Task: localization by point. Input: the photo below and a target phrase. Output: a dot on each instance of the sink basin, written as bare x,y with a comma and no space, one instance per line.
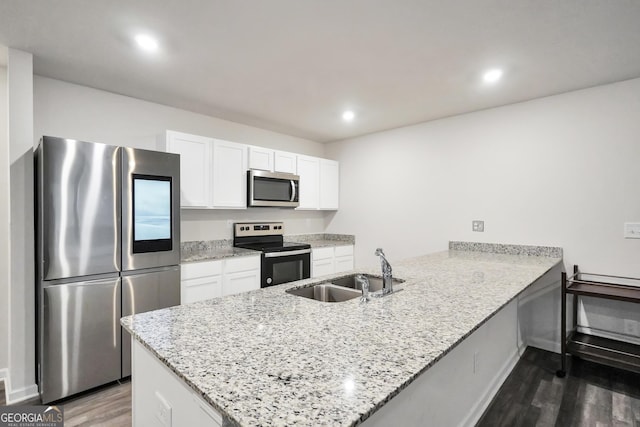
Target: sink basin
326,292
342,289
375,283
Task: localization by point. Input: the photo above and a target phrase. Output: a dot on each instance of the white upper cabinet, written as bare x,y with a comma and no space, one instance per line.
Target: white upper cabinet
309,172
319,183
195,167
329,184
261,158
229,175
213,172
285,162
272,160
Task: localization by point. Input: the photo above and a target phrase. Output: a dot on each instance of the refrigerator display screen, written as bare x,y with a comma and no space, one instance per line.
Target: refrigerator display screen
151,213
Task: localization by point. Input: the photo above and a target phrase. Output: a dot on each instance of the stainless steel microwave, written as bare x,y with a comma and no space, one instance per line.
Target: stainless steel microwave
275,189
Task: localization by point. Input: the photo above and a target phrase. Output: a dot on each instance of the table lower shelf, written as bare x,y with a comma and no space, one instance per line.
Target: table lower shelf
607,351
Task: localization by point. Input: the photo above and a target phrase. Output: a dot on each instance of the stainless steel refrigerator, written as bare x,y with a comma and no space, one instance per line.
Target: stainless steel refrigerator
108,245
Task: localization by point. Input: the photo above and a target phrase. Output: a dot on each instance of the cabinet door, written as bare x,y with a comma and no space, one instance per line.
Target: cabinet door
322,267
195,158
329,184
260,158
285,162
308,170
244,281
229,175
343,263
201,289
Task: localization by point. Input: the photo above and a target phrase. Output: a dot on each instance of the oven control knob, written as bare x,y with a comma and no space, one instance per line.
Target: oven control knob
269,280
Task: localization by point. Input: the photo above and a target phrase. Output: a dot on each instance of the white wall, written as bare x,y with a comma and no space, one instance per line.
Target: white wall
559,171
21,384
78,112
4,225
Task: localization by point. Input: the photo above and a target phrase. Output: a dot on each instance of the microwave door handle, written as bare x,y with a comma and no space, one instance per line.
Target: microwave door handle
293,191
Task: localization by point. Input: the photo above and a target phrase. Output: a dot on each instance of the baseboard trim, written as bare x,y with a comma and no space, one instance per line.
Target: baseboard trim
4,373
489,393
16,396
544,344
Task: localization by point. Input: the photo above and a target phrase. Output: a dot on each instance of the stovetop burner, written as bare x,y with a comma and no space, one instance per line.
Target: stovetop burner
264,236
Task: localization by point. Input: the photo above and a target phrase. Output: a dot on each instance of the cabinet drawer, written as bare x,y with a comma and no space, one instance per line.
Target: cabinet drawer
194,270
344,250
322,253
245,263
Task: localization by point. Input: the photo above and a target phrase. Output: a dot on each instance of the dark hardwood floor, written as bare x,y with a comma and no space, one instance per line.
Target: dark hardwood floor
590,395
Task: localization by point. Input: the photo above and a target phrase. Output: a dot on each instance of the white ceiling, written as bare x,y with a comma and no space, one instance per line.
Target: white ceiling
293,66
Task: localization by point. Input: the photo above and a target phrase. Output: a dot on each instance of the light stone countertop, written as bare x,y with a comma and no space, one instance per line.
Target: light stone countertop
270,358
210,250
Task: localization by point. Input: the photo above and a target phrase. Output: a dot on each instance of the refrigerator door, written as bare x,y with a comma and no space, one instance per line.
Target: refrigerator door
81,337
150,209
151,290
79,208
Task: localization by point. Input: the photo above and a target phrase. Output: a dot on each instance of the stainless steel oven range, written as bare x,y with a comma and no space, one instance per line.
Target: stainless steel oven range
281,261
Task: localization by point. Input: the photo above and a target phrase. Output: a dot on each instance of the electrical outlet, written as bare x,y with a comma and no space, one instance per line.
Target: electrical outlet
632,230
163,410
631,327
477,225
476,362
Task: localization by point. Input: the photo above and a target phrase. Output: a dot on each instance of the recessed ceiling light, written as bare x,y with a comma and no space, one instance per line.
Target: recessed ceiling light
492,76
146,42
348,116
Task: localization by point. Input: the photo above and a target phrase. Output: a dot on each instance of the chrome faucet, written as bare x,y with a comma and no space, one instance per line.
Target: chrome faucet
387,277
363,281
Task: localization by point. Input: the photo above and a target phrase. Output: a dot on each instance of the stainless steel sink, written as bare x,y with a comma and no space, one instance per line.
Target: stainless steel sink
342,289
375,283
326,292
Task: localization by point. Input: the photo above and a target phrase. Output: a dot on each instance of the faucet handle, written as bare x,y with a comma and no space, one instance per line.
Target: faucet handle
364,285
379,252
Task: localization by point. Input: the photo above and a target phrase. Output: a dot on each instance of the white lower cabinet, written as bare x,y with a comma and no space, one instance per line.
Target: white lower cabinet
160,398
212,279
200,281
241,275
343,258
330,260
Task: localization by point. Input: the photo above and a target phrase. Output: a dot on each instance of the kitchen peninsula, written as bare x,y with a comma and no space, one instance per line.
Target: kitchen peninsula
267,357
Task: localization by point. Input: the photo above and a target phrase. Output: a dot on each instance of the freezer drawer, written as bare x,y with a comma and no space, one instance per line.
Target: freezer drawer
80,338
143,292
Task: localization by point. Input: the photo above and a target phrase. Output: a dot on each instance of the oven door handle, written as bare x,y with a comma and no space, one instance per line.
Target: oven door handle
293,191
286,253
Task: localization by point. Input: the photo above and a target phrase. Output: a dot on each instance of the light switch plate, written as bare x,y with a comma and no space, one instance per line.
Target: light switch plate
632,230
477,225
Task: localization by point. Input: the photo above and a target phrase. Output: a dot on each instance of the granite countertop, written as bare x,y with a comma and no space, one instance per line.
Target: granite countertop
322,240
270,358
210,250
